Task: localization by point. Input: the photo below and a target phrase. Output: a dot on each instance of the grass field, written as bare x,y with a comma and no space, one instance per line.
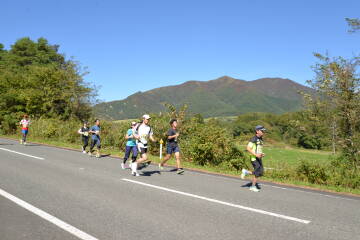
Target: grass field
277,158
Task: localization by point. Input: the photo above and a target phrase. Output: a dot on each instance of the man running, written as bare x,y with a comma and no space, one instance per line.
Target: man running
172,147
84,131
144,132
255,149
95,131
130,145
24,123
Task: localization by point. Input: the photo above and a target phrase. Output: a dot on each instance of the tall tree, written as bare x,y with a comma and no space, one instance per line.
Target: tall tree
36,79
337,83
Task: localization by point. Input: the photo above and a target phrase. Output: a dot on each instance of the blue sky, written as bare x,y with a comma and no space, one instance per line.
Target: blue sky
131,46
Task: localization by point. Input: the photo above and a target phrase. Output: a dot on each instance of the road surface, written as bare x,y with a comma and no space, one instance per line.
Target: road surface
52,193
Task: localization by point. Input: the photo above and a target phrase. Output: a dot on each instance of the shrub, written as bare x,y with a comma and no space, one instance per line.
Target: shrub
313,173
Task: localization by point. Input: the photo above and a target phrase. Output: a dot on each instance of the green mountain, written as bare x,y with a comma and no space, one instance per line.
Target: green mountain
224,96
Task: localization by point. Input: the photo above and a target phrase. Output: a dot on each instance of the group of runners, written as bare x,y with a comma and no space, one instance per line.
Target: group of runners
137,143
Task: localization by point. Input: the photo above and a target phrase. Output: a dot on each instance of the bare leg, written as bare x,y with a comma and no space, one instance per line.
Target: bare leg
166,158
178,162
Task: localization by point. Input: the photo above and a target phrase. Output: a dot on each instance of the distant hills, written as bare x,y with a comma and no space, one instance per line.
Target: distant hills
224,96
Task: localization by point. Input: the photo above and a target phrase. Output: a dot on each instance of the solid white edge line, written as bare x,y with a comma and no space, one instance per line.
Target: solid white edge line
61,224
24,154
221,202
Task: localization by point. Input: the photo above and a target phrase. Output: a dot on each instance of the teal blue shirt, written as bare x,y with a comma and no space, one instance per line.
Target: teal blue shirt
131,142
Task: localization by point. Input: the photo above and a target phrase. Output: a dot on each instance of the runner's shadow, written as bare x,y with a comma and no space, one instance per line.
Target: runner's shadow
149,173
6,144
105,155
250,184
247,184
32,145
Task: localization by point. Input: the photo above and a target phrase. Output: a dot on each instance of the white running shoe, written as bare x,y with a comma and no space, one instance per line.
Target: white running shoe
244,172
25,143
134,169
21,141
122,165
84,152
254,189
130,165
161,167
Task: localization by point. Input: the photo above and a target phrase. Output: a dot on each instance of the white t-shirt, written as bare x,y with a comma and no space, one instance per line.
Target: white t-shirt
25,123
144,131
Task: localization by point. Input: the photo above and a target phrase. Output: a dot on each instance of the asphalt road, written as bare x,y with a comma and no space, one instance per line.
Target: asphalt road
82,197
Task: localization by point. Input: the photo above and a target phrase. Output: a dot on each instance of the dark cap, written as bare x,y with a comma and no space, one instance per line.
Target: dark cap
260,128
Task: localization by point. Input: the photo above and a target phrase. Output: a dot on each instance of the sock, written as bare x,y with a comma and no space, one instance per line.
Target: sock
134,167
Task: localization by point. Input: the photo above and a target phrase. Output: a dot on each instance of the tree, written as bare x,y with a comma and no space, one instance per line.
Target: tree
337,83
354,24
36,79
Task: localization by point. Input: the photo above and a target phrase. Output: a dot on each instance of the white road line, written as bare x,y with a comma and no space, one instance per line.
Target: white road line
63,225
27,155
221,202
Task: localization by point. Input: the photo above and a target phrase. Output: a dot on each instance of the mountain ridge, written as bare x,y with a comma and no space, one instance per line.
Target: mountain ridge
224,96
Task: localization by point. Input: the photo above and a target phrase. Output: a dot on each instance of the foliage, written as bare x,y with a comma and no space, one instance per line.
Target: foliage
313,173
37,80
337,83
354,24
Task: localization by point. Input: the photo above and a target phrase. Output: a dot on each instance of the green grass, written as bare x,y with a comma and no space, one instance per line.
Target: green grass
278,157
275,158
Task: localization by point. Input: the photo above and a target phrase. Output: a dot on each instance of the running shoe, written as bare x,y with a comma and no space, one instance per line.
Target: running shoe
25,143
135,174
21,141
89,153
130,165
84,152
161,167
146,164
122,165
244,172
180,171
254,189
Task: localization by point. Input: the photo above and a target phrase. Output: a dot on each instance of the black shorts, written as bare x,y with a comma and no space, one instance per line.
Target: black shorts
170,149
258,167
143,150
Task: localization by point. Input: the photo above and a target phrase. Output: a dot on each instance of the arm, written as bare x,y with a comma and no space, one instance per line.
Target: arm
173,136
80,132
249,149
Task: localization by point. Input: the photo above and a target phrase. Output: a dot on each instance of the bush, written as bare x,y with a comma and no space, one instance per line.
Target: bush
309,142
313,173
209,144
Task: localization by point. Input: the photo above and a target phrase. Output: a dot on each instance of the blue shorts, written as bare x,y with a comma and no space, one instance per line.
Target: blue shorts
172,149
24,132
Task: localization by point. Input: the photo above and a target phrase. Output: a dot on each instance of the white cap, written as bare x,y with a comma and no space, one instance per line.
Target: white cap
146,116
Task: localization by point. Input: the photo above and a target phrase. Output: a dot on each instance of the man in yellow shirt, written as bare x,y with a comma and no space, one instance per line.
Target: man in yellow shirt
255,149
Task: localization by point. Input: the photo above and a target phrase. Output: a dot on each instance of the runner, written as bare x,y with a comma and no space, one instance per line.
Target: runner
24,123
255,149
143,132
172,147
130,145
84,131
95,131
